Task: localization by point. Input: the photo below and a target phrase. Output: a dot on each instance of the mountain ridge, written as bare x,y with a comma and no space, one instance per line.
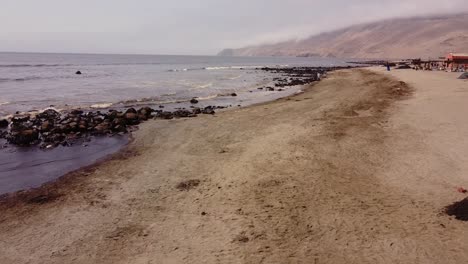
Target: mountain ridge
410,37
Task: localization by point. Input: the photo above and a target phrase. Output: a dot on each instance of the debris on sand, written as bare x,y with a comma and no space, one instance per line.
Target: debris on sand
242,238
188,185
459,210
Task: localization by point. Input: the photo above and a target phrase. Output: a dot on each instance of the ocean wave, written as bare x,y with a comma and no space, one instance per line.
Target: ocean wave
177,70
68,65
31,78
231,67
32,65
234,78
204,98
101,105
168,94
214,68
4,103
201,86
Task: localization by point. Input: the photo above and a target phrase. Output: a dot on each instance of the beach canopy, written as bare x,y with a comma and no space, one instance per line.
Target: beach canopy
464,76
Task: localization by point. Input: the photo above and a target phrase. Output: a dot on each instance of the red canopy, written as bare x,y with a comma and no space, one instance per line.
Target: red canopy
457,56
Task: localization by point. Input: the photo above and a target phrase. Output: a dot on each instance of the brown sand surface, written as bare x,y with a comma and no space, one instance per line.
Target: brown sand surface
357,169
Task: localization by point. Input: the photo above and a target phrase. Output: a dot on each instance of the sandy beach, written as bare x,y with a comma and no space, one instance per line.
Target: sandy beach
357,169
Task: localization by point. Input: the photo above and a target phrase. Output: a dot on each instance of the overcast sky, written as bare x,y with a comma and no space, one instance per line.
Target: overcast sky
186,26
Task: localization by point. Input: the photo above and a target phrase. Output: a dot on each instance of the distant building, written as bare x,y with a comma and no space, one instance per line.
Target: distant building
456,61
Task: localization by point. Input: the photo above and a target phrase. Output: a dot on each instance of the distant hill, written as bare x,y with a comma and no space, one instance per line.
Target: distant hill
396,38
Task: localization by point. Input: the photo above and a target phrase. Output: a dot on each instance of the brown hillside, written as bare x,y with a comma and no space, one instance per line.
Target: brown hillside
397,38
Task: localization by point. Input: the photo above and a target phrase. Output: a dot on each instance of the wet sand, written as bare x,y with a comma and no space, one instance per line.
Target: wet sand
346,172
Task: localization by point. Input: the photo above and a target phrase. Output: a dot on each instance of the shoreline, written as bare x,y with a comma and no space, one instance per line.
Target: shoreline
356,163
294,78
47,189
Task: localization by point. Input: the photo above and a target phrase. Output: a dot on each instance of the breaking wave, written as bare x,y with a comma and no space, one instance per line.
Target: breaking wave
32,65
214,68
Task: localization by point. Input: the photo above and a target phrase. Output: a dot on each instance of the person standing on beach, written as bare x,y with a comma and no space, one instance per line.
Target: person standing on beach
388,66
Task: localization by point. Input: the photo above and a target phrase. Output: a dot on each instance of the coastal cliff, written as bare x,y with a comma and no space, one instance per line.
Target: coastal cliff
396,38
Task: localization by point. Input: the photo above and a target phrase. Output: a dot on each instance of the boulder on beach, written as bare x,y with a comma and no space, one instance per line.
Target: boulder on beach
76,112
165,115
131,110
183,113
146,111
49,114
208,110
3,123
194,101
196,111
23,137
20,118
78,73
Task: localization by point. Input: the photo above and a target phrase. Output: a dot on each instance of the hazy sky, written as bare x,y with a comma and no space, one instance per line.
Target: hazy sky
186,26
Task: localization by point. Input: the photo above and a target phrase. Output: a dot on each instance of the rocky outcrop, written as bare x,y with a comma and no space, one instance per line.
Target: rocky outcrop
51,128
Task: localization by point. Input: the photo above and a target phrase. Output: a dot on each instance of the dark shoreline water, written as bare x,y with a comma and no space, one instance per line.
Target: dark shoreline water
26,167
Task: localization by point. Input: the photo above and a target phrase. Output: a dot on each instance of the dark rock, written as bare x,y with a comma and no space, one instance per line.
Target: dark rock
55,138
73,126
3,123
101,129
131,116
183,113
208,110
46,126
131,110
119,121
194,101
49,114
20,118
459,210
78,72
24,137
196,111
76,112
120,129
146,111
233,94
165,115
142,117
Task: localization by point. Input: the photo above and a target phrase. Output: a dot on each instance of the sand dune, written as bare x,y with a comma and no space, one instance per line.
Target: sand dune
398,38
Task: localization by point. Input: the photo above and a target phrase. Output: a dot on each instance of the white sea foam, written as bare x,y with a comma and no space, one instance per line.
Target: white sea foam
201,86
4,103
207,97
234,78
102,105
228,68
